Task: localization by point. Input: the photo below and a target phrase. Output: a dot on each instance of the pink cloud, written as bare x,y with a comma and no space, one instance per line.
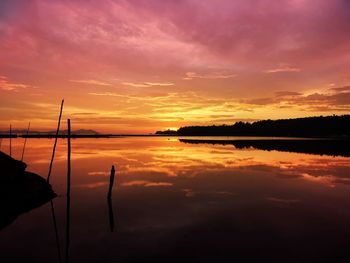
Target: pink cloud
185,34
283,68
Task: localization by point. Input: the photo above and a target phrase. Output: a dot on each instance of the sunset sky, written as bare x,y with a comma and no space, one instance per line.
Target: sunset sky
139,66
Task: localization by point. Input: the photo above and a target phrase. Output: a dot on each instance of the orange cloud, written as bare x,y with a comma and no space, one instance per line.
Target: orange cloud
215,75
148,84
92,82
5,84
283,68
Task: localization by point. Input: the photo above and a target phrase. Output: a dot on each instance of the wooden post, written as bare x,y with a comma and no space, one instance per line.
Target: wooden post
10,140
54,146
25,142
111,181
68,192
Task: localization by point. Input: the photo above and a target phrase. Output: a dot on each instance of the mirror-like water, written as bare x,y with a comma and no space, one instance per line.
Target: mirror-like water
181,202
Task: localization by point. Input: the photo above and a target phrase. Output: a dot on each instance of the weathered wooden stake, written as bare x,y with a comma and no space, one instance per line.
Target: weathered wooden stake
54,146
111,181
25,142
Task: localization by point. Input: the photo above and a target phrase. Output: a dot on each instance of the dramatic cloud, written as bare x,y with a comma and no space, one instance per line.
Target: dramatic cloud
336,100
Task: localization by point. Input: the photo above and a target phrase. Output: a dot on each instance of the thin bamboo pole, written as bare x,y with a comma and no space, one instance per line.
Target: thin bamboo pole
54,146
25,142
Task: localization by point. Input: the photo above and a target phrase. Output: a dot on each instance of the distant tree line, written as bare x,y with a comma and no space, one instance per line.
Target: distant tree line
167,132
327,126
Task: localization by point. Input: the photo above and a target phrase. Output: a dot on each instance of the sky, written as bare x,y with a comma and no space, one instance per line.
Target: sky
138,66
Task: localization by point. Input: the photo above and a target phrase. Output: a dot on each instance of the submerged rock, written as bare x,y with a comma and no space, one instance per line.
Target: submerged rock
20,191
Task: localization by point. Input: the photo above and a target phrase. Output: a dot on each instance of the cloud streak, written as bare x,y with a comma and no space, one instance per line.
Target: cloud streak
92,82
283,69
6,85
148,84
215,75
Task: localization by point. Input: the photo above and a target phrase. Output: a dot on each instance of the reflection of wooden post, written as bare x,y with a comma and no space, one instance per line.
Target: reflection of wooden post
68,158
10,140
111,215
54,146
68,193
0,142
56,233
111,181
25,141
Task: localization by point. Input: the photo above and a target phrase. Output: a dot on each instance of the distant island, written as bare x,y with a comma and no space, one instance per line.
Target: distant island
322,126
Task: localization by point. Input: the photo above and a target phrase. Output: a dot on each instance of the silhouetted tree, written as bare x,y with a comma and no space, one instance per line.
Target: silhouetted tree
301,127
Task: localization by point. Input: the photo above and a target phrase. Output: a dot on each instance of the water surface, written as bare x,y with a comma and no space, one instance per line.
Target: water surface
183,202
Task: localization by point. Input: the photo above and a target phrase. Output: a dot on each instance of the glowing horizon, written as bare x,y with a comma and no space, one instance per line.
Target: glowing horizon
141,66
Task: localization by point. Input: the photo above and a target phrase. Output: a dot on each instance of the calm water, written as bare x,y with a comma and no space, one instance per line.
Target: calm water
181,202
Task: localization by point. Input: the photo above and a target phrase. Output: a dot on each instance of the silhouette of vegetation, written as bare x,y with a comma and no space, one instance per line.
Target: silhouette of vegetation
329,126
167,132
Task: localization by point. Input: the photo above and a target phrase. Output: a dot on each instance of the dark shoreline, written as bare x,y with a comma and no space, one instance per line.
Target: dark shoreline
263,137
331,146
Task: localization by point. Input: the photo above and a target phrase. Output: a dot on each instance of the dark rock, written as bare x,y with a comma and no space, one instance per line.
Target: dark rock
20,191
10,168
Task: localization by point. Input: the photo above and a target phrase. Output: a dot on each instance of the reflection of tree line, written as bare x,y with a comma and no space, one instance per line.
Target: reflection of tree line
316,146
301,127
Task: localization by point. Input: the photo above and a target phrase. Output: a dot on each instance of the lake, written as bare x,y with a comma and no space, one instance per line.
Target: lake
177,201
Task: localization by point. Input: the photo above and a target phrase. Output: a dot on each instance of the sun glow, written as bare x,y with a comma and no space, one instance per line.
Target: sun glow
172,128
